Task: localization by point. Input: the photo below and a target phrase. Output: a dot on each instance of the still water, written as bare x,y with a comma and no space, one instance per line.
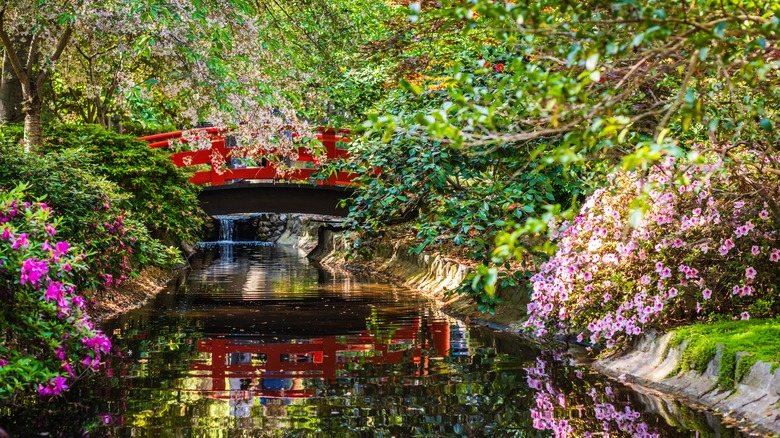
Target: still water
255,341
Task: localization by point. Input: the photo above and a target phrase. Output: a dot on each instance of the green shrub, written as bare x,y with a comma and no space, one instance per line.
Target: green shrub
159,194
96,213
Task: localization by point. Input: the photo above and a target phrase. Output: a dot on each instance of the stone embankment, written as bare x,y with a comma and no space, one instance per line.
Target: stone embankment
652,361
434,276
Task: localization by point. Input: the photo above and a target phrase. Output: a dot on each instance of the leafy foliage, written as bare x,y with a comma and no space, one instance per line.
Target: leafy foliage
98,215
160,195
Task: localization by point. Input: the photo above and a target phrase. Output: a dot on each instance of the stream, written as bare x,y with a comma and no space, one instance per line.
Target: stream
256,341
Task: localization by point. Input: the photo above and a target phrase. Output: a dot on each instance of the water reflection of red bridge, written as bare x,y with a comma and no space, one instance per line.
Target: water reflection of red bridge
323,358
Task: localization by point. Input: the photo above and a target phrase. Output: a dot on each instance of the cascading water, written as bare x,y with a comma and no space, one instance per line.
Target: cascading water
228,238
225,228
226,224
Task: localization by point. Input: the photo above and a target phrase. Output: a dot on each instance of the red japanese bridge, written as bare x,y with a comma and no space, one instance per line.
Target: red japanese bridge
261,189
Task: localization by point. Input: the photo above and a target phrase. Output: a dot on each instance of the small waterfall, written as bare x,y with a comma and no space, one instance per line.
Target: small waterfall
229,234
225,228
226,224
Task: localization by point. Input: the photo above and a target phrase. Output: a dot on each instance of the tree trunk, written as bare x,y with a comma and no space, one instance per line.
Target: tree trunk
10,92
33,123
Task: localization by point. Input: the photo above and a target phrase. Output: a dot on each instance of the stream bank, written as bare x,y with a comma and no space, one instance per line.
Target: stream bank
753,403
133,293
653,360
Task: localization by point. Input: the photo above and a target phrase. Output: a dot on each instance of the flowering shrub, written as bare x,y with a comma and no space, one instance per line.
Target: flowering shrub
707,243
46,337
93,211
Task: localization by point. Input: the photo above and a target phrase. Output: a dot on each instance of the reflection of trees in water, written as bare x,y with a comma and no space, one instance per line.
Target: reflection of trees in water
445,379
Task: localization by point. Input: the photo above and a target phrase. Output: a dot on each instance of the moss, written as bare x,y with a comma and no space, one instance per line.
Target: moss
760,339
743,367
728,367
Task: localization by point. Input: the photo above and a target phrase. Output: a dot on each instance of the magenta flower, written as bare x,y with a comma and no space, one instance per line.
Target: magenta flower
32,271
55,386
62,248
7,234
50,229
98,343
21,242
78,301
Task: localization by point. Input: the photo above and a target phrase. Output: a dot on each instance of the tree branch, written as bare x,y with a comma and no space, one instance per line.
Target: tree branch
9,50
61,44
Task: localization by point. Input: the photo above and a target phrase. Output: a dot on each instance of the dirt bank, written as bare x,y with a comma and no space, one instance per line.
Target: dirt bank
133,293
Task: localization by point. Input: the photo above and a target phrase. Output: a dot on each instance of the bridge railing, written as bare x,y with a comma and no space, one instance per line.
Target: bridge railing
215,156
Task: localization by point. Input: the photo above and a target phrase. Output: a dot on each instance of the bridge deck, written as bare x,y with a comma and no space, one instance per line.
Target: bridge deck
274,198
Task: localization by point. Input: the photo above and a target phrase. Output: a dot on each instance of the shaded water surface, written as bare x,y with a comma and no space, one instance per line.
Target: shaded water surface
258,342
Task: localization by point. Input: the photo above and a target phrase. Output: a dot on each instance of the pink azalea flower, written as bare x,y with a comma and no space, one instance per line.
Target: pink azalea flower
755,250
54,291
750,273
32,271
706,293
55,386
62,248
21,242
745,316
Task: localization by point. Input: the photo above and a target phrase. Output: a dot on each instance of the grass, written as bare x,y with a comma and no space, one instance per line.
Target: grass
759,339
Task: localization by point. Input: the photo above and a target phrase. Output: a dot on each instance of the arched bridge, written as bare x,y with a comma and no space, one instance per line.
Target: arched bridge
261,189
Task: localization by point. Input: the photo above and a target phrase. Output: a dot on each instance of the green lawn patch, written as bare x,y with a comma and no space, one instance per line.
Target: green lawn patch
759,338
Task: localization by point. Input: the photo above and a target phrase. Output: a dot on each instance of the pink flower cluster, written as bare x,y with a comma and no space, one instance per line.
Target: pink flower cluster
37,275
610,281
